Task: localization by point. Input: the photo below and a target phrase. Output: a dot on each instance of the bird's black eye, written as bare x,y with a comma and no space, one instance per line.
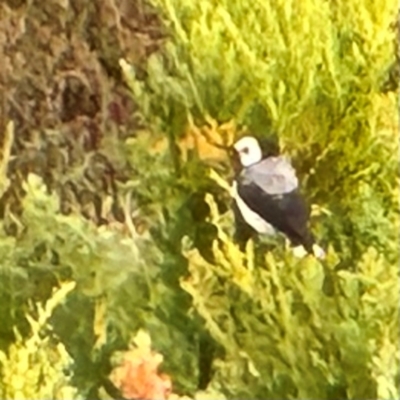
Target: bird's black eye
245,150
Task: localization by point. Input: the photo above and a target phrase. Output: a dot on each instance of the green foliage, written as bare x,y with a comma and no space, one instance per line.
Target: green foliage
48,240
294,55
36,367
312,72
285,337
106,262
270,326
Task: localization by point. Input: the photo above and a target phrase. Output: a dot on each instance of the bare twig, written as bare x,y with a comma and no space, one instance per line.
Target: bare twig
7,145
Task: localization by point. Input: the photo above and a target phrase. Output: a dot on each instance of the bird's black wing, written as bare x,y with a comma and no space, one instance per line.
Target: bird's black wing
288,212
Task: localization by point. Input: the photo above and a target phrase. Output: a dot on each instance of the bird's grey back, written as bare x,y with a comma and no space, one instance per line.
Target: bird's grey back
274,175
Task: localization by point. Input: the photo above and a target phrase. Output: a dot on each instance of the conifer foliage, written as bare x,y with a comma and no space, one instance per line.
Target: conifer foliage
161,304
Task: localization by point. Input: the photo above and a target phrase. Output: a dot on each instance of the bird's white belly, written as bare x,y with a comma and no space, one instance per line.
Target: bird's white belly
252,218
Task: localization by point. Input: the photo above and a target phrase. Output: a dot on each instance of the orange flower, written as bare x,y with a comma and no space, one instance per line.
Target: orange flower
137,376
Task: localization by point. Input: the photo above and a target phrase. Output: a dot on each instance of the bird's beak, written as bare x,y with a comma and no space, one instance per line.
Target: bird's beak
232,151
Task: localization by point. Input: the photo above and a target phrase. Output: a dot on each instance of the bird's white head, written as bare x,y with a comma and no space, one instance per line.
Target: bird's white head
249,150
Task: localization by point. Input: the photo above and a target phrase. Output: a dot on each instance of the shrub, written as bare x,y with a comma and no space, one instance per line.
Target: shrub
37,367
311,72
287,336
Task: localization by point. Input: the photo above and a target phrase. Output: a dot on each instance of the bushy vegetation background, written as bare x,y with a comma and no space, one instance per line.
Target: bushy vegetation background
119,276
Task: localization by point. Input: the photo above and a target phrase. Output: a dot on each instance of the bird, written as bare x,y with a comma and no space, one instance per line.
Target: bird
267,199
